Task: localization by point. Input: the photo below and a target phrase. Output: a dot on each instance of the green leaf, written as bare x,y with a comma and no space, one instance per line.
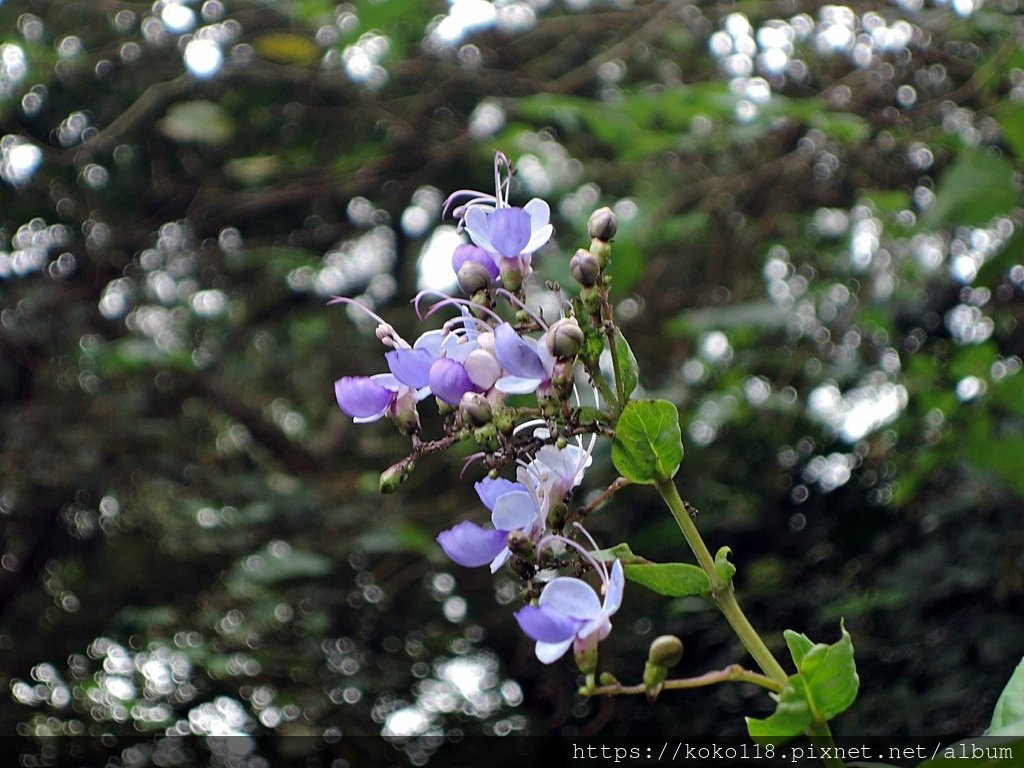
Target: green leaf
1012,123
792,715
830,673
726,570
620,552
1008,716
628,367
669,579
799,644
975,189
648,447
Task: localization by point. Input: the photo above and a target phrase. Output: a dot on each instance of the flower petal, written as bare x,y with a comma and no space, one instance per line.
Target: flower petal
545,624
470,545
509,231
449,381
548,653
476,227
517,355
516,385
410,366
483,368
514,511
573,597
616,585
362,398
540,230
490,488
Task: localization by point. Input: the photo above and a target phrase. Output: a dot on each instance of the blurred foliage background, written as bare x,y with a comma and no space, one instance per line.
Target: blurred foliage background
820,260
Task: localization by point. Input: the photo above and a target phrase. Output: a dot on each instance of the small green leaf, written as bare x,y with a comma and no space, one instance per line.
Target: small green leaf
648,447
726,570
1008,716
799,645
792,715
975,189
831,675
620,552
669,579
628,368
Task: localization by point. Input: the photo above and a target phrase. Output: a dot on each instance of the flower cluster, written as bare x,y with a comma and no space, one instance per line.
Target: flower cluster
481,368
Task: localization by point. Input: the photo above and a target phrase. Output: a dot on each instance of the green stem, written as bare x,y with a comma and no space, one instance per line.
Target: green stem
821,737
733,673
721,590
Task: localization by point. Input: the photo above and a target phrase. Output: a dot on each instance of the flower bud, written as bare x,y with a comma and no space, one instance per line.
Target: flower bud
603,224
564,338
584,268
666,651
486,437
475,410
504,419
395,475
548,400
608,679
473,277
563,376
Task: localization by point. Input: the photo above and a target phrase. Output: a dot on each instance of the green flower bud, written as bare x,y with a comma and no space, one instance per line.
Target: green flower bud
607,678
475,409
395,475
564,338
654,676
603,224
503,418
486,437
473,277
584,268
666,651
548,400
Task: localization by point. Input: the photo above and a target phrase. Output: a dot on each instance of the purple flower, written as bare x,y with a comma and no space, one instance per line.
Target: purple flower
510,232
527,362
366,398
512,509
570,613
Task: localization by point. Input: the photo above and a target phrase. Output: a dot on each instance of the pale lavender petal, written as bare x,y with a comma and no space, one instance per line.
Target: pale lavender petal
490,488
509,231
410,366
548,653
449,381
362,398
501,559
617,583
483,368
572,597
599,628
514,511
517,355
516,385
540,229
431,341
476,227
466,252
546,624
470,545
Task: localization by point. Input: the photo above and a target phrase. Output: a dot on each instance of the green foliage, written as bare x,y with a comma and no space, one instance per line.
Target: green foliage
826,684
669,579
977,188
628,369
647,447
1008,716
